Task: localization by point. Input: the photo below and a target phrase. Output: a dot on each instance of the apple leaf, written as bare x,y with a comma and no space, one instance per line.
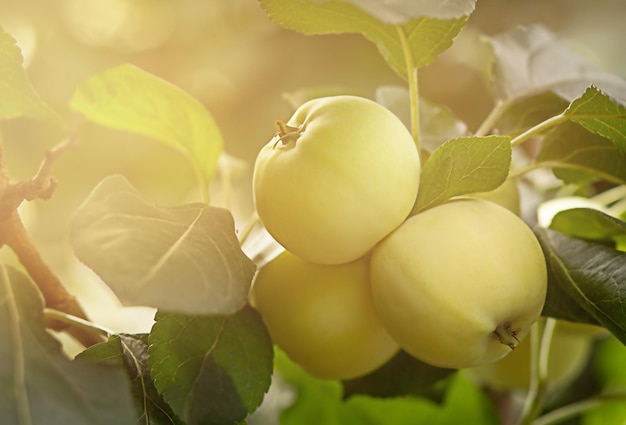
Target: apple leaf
576,155
601,115
591,224
586,282
462,166
400,11
427,37
437,122
530,60
529,112
131,351
185,258
130,99
40,385
17,96
401,376
211,369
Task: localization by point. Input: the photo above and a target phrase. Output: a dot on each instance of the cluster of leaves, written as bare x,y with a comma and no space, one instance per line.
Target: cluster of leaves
208,358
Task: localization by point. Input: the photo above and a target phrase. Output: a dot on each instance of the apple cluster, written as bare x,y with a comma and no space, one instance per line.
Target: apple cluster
457,285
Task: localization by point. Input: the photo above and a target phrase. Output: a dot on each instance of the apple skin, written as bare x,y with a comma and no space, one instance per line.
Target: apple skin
450,276
322,316
569,353
343,175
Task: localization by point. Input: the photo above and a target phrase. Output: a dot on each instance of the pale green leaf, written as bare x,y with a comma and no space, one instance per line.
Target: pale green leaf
211,369
530,60
130,99
184,259
40,385
427,37
462,166
577,156
601,115
400,11
17,96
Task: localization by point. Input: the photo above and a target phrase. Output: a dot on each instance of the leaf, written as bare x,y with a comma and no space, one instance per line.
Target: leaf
427,37
17,96
183,259
131,351
586,282
400,11
529,112
437,122
576,155
601,115
461,166
403,375
40,385
590,224
211,369
130,99
530,60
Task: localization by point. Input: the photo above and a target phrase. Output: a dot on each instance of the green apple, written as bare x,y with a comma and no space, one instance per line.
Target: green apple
460,284
322,316
338,177
569,353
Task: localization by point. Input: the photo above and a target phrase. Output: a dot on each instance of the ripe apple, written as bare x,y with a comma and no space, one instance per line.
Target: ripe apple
338,177
460,284
322,316
569,354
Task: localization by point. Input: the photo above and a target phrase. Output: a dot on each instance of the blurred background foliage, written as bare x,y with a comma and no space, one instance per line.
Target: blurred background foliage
232,58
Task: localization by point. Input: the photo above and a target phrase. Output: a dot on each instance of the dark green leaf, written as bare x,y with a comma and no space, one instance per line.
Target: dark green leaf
576,155
587,282
211,369
185,258
590,224
461,166
132,352
130,99
601,115
530,60
427,37
402,375
40,385
17,96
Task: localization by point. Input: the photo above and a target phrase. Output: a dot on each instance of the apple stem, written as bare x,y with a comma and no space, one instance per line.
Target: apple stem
506,335
286,133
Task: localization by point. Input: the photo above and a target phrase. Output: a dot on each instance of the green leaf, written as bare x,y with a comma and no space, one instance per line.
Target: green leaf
590,224
428,37
131,351
17,96
587,282
185,258
400,11
211,369
530,60
437,122
130,99
601,115
528,112
577,156
40,385
402,375
462,166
